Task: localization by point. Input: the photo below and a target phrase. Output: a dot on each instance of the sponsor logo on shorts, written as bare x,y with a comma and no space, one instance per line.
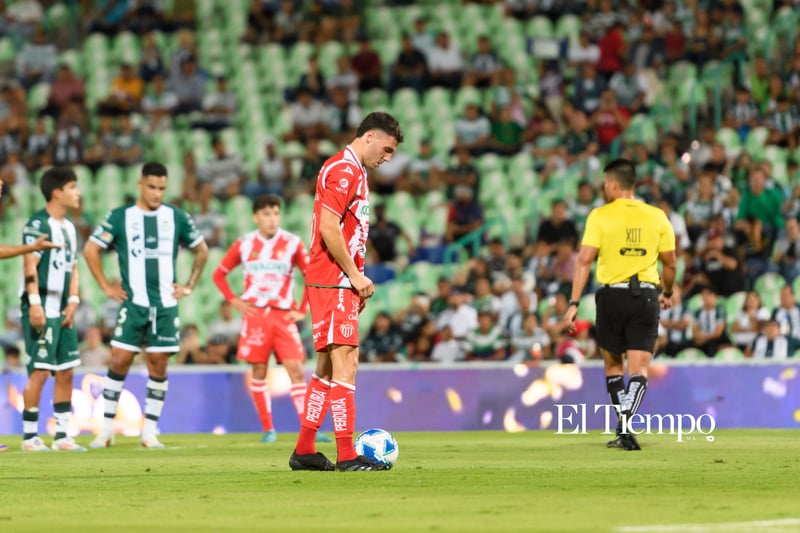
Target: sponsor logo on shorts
317,325
340,304
347,330
245,350
256,337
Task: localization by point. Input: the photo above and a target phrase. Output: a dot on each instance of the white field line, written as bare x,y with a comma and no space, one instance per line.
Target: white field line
783,524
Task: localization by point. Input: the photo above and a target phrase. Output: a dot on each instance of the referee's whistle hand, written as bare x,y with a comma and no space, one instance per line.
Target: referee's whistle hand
665,302
569,318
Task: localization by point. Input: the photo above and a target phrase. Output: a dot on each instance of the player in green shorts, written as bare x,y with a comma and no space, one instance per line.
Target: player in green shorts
146,236
49,300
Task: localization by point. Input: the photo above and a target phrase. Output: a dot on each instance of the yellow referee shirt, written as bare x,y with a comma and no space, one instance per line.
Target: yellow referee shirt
629,235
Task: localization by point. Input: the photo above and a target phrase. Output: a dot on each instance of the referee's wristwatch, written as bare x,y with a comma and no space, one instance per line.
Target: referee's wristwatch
576,303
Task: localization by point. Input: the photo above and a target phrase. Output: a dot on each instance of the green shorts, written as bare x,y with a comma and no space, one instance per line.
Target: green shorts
54,348
155,328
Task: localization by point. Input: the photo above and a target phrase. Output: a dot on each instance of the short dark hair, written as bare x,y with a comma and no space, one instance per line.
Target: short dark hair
378,120
266,200
623,171
54,179
154,169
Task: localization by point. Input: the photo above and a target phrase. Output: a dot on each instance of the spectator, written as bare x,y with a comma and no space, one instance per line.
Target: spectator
159,105
786,253
127,149
673,326
682,241
39,147
473,130
743,115
208,219
259,22
720,263
465,214
759,218
312,79
186,49
223,336
36,62
344,78
486,342
420,348
383,343
413,319
93,352
708,328
459,316
344,117
648,51
384,236
557,228
191,351
392,176
367,66
426,171
311,161
151,63
702,207
484,300
225,172
630,88
613,50
507,134
580,140
784,125
288,23
11,358
67,87
68,138
447,348
484,66
189,86
530,342
584,51
771,344
787,314
732,36
609,121
441,301
749,321
421,38
675,42
219,106
589,87
12,328
582,204
273,173
309,118
101,150
127,91
445,63
410,69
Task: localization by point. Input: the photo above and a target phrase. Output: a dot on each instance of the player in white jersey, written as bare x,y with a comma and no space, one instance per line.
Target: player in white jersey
146,236
268,257
49,299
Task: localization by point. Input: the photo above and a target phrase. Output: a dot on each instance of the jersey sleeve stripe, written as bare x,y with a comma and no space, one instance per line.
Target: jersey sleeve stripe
332,210
197,241
99,243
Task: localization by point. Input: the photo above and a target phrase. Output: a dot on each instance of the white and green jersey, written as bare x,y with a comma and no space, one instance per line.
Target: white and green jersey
147,245
55,265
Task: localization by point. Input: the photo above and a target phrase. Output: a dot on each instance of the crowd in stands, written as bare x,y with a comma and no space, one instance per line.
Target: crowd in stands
732,193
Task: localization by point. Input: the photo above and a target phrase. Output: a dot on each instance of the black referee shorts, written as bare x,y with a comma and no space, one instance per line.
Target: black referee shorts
626,322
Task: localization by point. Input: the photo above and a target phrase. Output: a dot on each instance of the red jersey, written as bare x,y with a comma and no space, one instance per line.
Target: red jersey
341,189
268,269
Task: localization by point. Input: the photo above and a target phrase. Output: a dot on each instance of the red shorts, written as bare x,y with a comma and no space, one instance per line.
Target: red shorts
334,316
267,330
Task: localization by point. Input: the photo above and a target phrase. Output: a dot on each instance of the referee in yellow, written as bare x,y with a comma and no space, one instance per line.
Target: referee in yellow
627,237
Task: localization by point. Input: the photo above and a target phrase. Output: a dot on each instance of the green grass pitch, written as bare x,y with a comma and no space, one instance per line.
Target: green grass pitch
476,481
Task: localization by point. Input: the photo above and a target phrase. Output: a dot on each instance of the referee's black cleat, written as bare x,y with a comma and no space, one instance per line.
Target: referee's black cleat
360,463
616,443
310,461
629,442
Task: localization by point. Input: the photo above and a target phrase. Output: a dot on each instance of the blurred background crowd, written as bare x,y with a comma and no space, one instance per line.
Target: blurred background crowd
510,109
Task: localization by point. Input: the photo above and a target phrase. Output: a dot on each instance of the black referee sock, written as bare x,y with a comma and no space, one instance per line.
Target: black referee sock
637,386
616,391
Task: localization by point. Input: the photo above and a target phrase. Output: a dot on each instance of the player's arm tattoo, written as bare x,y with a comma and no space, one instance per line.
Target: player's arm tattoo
200,258
30,263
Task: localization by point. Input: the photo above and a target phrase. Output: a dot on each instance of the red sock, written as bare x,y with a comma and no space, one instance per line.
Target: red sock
263,401
343,412
298,394
317,401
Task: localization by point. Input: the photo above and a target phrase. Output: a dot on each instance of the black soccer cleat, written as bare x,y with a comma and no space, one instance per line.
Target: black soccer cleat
361,463
629,442
310,461
616,443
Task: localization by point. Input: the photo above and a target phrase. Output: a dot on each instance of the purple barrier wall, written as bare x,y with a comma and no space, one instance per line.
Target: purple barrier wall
408,399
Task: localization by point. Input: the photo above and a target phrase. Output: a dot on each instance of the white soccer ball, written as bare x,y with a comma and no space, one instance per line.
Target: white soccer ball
378,445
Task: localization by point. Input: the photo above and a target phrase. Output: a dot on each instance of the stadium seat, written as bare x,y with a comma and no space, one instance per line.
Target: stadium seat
768,285
755,141
690,354
729,138
733,304
587,310
568,26
539,27
729,354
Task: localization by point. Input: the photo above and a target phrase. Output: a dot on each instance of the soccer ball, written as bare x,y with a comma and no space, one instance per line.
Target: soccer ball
378,445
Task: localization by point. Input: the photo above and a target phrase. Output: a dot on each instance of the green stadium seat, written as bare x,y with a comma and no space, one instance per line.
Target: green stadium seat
568,26
587,310
755,141
539,27
768,285
37,96
729,138
694,303
8,51
729,354
778,157
690,354
734,304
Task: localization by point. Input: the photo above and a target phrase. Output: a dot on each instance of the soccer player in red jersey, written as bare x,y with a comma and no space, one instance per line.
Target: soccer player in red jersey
338,290
268,257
